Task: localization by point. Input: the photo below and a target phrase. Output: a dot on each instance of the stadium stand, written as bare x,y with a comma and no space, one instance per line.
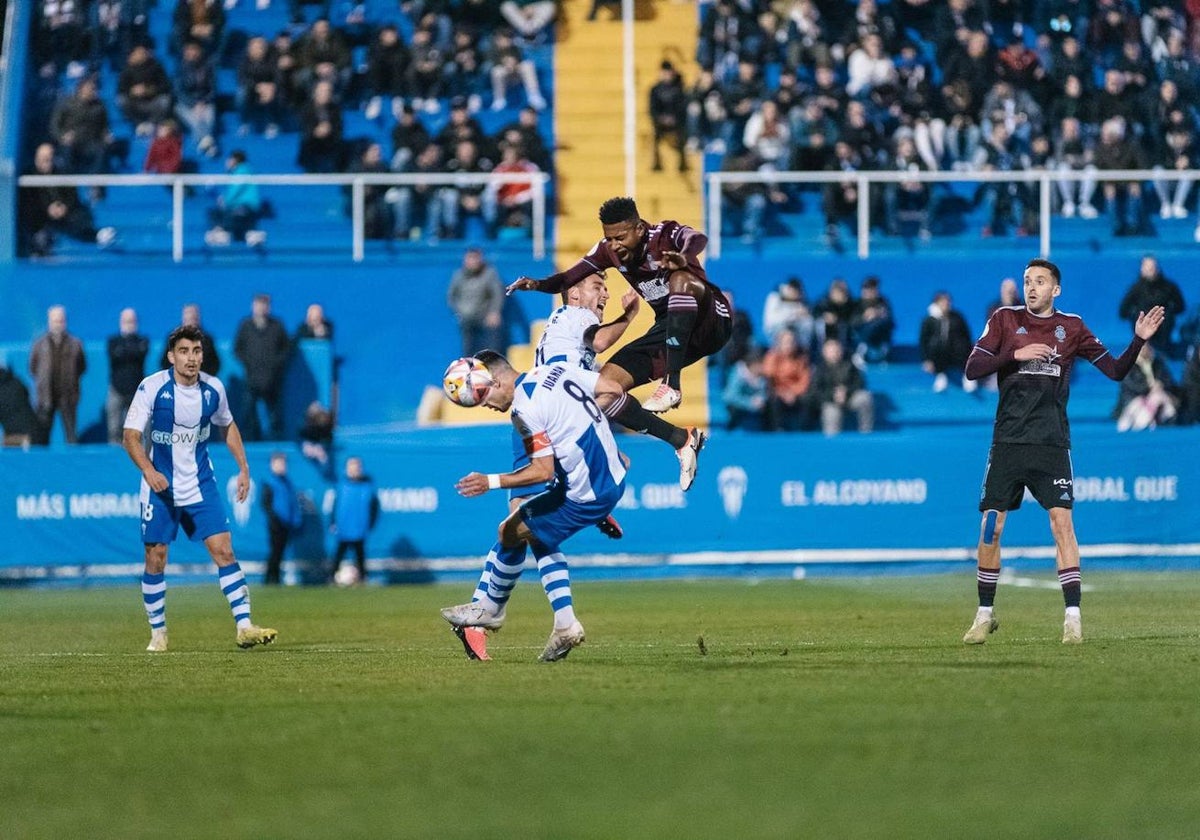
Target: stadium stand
312,223
317,220
395,333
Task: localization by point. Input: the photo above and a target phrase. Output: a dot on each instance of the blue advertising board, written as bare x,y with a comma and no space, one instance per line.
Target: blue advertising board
762,504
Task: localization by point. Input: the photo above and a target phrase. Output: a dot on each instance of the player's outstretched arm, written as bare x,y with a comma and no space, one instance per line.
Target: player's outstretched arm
598,259
1147,323
537,471
522,284
1144,328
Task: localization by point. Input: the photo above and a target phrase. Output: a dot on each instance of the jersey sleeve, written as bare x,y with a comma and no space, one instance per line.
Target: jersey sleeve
142,406
597,259
989,354
688,241
533,435
222,416
1092,349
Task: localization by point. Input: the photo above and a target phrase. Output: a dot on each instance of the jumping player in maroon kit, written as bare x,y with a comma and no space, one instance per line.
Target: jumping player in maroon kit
692,318
1032,348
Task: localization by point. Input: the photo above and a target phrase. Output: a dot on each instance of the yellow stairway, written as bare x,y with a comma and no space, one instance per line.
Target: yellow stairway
590,166
590,159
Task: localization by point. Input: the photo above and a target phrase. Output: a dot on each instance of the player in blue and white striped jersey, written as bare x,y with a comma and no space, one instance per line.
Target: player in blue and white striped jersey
573,335
567,436
176,409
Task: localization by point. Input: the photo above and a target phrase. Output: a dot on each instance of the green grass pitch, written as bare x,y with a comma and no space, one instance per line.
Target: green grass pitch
817,708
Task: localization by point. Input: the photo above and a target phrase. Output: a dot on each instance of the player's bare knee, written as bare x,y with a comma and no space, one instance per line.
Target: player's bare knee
509,533
991,527
156,558
683,282
608,390
614,378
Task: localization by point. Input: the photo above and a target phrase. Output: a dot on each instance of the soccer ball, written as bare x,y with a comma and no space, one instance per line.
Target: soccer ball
466,382
346,575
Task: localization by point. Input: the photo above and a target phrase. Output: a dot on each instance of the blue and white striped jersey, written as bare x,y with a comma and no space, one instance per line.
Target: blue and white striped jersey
564,339
555,413
176,422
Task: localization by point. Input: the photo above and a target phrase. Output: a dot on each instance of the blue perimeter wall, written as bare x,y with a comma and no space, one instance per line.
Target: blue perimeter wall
775,505
395,333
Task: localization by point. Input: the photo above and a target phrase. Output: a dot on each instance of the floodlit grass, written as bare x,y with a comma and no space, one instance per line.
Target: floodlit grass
820,708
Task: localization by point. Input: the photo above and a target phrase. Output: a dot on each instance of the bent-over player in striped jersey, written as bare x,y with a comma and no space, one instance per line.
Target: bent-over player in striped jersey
567,437
1031,348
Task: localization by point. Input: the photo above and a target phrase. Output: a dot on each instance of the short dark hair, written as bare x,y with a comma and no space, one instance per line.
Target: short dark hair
563,293
619,209
189,331
1038,262
493,361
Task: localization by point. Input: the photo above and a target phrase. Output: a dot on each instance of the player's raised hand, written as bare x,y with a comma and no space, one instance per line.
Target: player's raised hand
631,302
472,484
1029,352
674,260
521,284
1149,322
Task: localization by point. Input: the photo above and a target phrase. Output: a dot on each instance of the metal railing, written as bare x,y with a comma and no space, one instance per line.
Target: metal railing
1044,178
356,182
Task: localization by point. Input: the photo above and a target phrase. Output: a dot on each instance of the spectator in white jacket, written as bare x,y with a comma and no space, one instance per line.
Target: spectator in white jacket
869,67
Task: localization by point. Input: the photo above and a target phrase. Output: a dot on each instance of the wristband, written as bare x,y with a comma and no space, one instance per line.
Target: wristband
493,481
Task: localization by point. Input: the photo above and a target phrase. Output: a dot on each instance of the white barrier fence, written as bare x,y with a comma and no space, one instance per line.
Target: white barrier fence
865,180
357,182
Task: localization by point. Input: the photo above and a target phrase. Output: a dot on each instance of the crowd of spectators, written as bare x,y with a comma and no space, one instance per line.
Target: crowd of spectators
812,372
405,72
1076,86
1073,86
261,344
775,377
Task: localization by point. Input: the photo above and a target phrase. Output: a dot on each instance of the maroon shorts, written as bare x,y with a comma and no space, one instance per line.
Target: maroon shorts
645,358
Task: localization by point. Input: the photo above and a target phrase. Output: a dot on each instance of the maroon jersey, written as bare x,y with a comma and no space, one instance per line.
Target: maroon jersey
649,278
1033,394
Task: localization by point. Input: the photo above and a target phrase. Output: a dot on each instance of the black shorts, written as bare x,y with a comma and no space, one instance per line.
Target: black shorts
645,358
1012,467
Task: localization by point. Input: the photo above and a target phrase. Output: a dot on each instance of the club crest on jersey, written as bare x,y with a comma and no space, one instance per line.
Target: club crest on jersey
1022,331
1060,333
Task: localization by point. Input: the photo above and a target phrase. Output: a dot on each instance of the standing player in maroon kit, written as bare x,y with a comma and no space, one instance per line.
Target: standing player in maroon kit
1032,348
692,318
